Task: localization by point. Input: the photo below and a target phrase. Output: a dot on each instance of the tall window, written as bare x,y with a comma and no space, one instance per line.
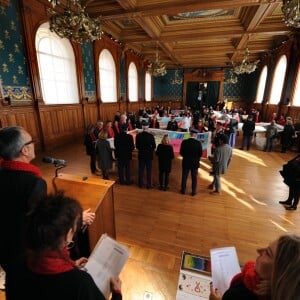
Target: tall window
278,80
132,83
57,69
296,93
148,86
108,78
261,85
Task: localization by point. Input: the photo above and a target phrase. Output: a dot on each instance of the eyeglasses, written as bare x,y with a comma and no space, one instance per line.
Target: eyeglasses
28,143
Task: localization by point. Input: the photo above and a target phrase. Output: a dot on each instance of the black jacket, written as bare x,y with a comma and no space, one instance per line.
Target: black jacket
191,151
145,144
123,146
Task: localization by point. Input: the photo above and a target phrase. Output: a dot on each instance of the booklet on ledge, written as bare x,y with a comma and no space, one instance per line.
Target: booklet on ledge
107,260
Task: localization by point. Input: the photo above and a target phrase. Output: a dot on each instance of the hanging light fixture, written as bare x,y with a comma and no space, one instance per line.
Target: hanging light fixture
245,66
232,78
177,79
291,11
157,68
74,23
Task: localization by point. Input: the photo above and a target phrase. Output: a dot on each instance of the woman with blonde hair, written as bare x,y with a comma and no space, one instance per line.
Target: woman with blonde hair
287,135
274,275
104,153
165,155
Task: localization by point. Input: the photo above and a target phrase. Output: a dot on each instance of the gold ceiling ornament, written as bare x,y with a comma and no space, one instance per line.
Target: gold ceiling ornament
245,66
291,11
74,23
177,79
157,68
232,79
4,3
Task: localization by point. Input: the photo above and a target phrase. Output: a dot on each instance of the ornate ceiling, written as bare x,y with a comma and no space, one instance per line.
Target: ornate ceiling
194,33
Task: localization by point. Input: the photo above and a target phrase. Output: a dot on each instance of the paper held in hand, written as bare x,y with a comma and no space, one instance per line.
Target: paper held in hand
107,260
224,266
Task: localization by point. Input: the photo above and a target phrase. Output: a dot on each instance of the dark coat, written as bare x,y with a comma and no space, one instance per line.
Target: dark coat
172,125
104,154
145,143
69,285
123,146
239,291
165,155
89,145
248,128
287,135
19,190
191,151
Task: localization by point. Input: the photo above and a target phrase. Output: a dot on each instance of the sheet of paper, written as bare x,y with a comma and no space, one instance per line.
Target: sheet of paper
224,265
106,261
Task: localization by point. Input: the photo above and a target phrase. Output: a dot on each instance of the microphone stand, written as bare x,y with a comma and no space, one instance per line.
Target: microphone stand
57,167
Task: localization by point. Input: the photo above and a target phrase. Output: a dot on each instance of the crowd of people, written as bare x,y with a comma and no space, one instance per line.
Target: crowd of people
35,249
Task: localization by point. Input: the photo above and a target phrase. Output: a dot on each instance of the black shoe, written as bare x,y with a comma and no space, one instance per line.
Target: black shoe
211,187
166,188
241,148
161,188
193,193
182,192
286,202
291,207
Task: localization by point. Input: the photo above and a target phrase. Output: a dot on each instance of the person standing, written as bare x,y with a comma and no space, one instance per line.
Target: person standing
220,161
271,134
145,143
191,152
90,143
248,129
165,155
21,185
287,135
124,146
49,272
104,153
172,124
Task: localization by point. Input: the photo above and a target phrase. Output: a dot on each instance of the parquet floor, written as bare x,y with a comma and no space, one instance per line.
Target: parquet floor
157,225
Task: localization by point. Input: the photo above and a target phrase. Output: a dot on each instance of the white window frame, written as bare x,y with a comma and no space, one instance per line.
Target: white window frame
57,67
261,85
132,83
278,80
148,86
107,77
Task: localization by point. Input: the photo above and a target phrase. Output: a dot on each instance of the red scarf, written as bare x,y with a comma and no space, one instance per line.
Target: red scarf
14,165
248,276
110,132
52,262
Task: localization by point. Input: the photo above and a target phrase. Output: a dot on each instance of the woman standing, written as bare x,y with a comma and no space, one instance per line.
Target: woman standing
287,135
165,155
104,153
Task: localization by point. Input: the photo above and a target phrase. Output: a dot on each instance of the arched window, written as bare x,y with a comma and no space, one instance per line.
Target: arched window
296,93
108,78
57,69
148,86
278,80
261,85
132,83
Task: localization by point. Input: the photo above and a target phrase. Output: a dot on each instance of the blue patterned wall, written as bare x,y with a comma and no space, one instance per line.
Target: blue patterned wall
243,90
122,79
88,71
13,68
164,90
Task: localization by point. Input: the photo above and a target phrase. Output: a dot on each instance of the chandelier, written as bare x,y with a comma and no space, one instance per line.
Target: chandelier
232,77
4,3
177,79
291,11
245,66
74,23
157,68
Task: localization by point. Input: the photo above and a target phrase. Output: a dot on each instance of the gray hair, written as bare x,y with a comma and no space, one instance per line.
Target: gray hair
11,142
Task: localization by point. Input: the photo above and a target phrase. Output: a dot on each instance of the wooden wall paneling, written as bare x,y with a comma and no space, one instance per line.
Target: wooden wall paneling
123,106
294,112
134,106
90,113
271,108
61,124
108,111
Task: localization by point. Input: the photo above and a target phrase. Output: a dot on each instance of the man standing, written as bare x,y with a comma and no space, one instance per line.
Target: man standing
145,144
21,185
123,151
248,129
191,152
220,161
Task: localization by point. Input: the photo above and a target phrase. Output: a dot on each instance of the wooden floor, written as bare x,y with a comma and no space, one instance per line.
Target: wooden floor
157,225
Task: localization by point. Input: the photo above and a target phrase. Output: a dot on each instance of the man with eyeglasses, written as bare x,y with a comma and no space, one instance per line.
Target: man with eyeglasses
21,185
